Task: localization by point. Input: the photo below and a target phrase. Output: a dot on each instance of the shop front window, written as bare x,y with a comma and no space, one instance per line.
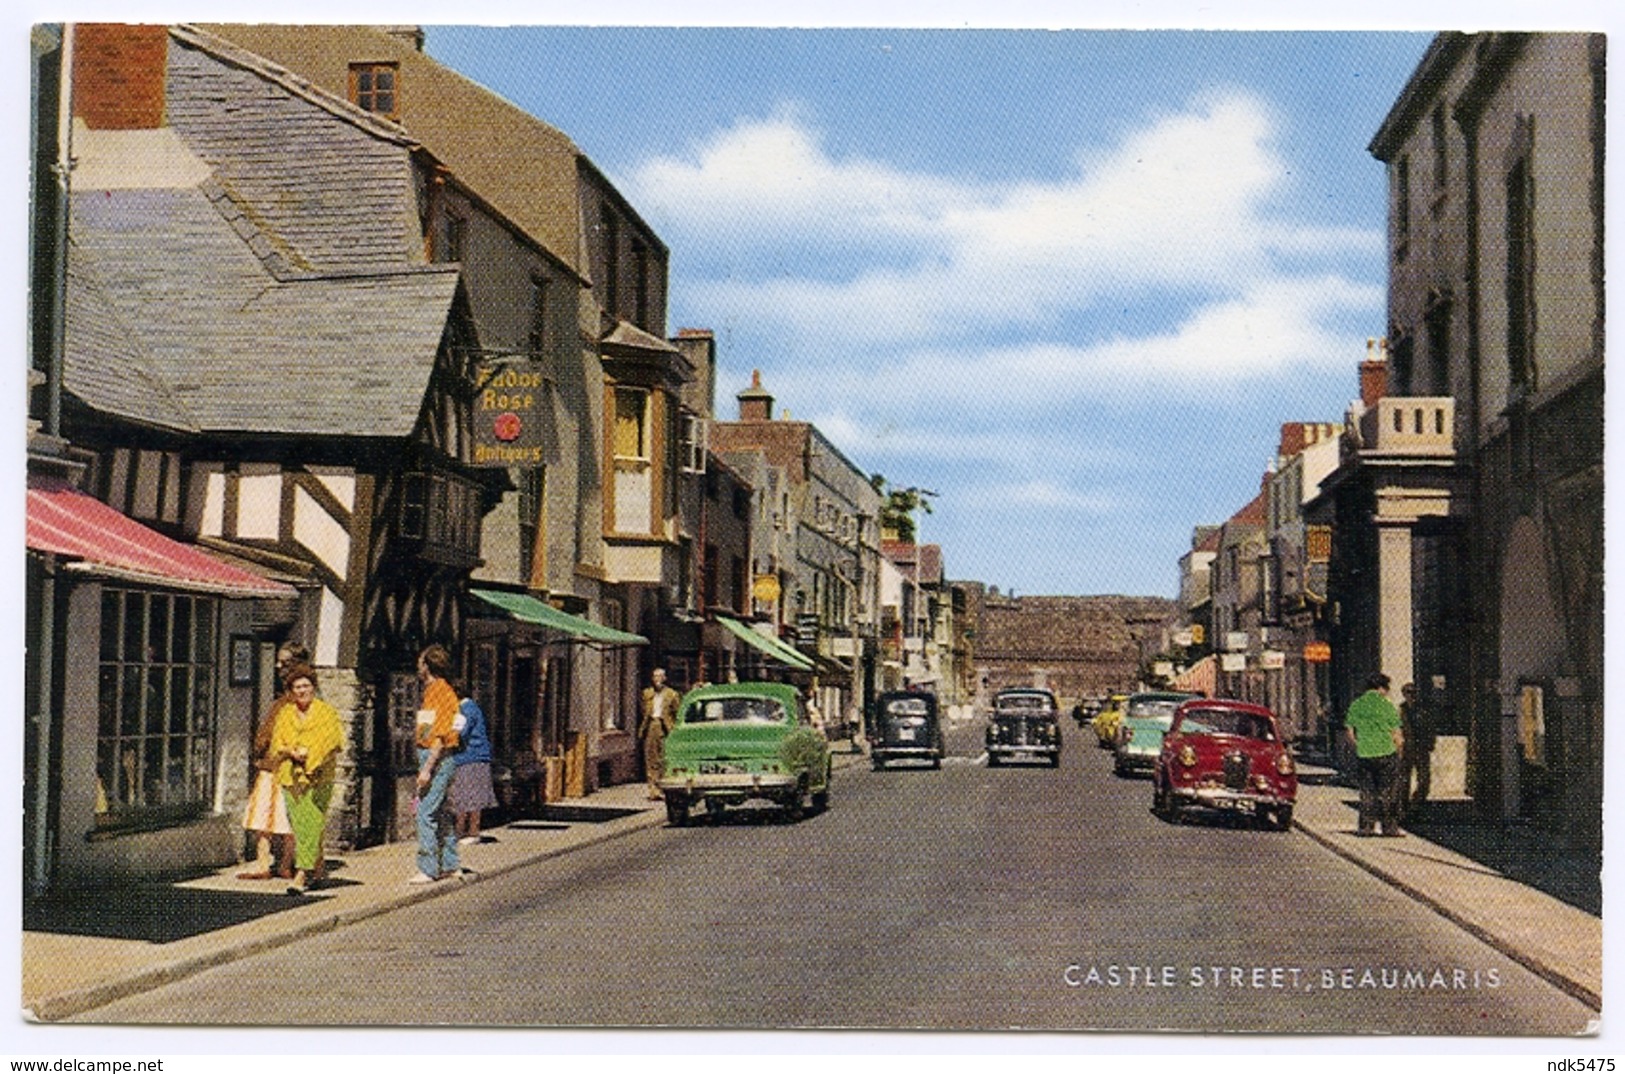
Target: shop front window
155,700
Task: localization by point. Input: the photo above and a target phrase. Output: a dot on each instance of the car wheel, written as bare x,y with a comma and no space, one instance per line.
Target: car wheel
993,760
936,760
676,811
1055,759
876,763
1277,819
795,806
1161,802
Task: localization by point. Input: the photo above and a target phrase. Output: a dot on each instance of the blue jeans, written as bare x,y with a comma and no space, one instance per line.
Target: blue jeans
437,828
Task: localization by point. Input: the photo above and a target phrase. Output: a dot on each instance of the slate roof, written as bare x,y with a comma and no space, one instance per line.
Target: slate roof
327,185
235,346
524,168
106,366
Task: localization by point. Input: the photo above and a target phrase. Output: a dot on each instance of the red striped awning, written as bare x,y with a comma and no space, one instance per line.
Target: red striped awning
99,540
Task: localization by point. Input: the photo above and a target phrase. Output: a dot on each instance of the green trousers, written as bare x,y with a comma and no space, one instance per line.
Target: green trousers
307,813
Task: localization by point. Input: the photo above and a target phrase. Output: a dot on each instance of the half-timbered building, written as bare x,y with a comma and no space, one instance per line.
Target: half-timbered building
305,373
561,272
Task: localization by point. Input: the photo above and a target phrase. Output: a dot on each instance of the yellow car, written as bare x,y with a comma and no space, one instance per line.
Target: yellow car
1107,720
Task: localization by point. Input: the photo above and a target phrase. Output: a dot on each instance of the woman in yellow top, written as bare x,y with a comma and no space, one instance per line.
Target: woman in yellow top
439,732
305,743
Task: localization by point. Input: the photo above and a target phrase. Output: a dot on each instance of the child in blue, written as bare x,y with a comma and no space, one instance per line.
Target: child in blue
471,789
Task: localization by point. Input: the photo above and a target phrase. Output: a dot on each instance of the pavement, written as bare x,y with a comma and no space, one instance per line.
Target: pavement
82,950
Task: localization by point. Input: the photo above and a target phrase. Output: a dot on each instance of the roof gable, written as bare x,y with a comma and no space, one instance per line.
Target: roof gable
328,186
522,167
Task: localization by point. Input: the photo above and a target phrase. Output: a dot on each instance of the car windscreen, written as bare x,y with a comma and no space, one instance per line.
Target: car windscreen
1149,708
736,710
1227,722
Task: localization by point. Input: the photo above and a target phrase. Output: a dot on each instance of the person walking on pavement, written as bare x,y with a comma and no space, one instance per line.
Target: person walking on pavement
306,743
267,812
659,710
471,788
438,735
1416,716
1373,726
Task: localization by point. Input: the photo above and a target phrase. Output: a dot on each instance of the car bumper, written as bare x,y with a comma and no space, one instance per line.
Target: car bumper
1137,759
905,751
1226,798
733,785
1022,751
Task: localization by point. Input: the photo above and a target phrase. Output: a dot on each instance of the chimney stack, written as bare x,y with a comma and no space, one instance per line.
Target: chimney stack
755,402
118,75
1374,372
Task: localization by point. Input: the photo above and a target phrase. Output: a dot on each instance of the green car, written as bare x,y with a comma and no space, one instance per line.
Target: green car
1146,718
736,742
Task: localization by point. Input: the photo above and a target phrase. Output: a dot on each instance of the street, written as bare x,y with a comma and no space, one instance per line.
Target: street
966,898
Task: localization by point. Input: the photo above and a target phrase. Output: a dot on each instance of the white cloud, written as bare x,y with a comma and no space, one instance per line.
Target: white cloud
919,434
853,252
1277,328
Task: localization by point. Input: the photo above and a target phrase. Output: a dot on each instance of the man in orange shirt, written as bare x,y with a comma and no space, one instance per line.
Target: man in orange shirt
438,734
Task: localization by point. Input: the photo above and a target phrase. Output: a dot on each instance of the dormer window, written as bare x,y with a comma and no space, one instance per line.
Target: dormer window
373,87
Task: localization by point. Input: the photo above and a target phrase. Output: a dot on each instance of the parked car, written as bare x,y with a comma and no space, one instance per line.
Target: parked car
1226,755
906,727
736,742
1024,723
1146,717
1107,719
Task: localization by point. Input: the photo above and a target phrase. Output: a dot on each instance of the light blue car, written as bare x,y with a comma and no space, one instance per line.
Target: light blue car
1146,718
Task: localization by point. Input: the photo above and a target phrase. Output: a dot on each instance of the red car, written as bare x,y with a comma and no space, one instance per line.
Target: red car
1222,754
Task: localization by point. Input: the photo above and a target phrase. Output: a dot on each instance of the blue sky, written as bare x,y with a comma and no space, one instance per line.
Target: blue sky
1071,280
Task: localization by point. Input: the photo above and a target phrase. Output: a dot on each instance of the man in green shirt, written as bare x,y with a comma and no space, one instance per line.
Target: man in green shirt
1373,727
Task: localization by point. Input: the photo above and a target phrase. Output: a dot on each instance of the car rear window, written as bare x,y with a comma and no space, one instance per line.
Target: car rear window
907,706
1023,703
736,710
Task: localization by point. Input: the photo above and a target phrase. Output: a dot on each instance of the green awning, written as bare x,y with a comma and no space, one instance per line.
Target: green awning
528,609
771,646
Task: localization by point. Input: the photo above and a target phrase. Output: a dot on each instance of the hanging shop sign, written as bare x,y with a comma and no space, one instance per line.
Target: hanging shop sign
765,588
510,406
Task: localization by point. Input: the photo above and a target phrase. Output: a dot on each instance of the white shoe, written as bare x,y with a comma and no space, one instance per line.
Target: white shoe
468,840
420,878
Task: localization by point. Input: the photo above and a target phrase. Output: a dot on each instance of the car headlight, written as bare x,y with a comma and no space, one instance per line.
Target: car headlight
1187,756
1261,782
1283,763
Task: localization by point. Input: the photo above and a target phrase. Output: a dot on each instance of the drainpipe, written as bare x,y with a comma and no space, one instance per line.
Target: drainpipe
59,295
39,877
1491,737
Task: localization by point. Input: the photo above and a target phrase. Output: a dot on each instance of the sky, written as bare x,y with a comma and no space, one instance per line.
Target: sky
1071,281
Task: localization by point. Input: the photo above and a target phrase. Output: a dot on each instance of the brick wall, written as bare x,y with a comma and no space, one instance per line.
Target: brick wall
118,75
1078,646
